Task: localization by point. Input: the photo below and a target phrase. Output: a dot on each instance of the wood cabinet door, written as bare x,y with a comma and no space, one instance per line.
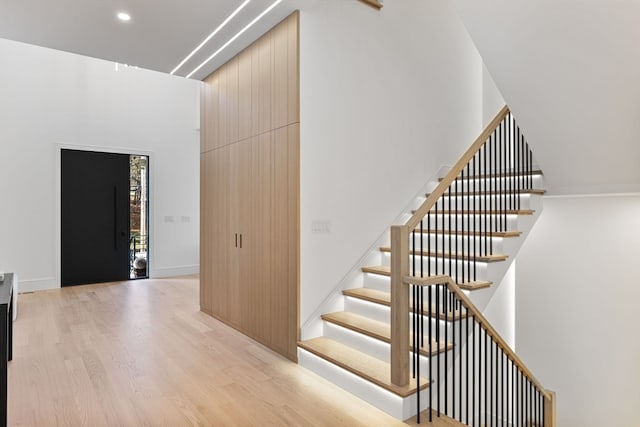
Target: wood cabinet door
241,236
262,234
215,240
284,229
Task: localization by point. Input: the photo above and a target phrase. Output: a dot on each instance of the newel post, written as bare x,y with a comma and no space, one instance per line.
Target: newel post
399,305
550,410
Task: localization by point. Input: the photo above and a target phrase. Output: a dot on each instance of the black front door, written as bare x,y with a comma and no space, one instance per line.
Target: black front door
95,217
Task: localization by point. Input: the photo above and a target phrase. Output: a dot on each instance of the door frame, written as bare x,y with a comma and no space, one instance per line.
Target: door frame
58,199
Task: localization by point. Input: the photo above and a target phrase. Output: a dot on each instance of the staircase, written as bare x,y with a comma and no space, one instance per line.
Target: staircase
390,338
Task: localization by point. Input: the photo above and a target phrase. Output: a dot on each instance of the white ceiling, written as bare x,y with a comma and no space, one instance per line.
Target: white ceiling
158,37
569,71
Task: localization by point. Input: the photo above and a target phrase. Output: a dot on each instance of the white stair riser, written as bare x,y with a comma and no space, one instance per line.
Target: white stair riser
483,270
492,202
396,406
376,281
445,242
381,313
479,223
475,185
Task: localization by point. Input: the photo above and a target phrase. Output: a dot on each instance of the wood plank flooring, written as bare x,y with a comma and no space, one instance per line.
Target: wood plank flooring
141,353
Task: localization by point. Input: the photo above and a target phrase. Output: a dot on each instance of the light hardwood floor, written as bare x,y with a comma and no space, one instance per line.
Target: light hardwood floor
141,353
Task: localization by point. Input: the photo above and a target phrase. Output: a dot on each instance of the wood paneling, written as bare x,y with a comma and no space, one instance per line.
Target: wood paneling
232,96
244,94
280,77
251,117
214,226
293,74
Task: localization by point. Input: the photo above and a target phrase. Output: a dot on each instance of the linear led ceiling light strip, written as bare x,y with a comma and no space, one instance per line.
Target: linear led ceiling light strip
267,10
220,27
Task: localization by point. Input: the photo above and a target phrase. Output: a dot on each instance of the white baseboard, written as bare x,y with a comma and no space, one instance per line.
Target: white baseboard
33,285
182,270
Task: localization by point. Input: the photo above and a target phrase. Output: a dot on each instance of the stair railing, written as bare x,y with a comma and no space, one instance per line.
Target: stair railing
453,230
481,381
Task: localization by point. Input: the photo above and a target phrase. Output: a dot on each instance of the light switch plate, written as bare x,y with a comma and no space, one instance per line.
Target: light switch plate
320,226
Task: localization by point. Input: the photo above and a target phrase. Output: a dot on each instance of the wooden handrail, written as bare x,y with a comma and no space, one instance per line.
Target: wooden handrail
455,170
484,323
373,3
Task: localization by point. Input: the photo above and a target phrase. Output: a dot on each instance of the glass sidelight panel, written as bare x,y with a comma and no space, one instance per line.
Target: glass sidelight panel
139,217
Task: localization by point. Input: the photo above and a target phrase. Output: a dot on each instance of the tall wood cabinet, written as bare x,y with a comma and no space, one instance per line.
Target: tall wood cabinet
250,131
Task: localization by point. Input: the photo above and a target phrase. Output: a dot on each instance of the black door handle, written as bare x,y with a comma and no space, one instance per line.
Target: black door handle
115,218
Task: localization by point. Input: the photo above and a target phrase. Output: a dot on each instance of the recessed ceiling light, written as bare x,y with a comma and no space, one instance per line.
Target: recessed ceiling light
123,16
257,18
225,22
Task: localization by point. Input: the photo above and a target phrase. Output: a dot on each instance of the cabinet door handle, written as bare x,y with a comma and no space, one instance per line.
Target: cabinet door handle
236,240
240,240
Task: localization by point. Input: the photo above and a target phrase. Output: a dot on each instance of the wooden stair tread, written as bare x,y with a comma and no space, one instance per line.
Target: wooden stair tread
375,329
462,256
384,298
481,212
385,270
535,172
437,421
360,364
475,233
538,191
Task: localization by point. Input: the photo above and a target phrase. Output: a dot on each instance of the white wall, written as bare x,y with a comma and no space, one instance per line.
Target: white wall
569,71
577,296
387,97
51,98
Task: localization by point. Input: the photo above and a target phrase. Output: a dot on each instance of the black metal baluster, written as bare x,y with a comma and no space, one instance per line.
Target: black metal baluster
486,379
474,395
476,239
437,326
543,414
445,301
491,182
516,178
419,340
430,307
502,386
466,318
443,236
422,248
414,291
494,190
521,398
530,168
450,231
499,173
460,355
435,257
505,179
530,400
494,382
484,208
522,157
453,360
509,163
429,245
413,253
468,222
455,209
